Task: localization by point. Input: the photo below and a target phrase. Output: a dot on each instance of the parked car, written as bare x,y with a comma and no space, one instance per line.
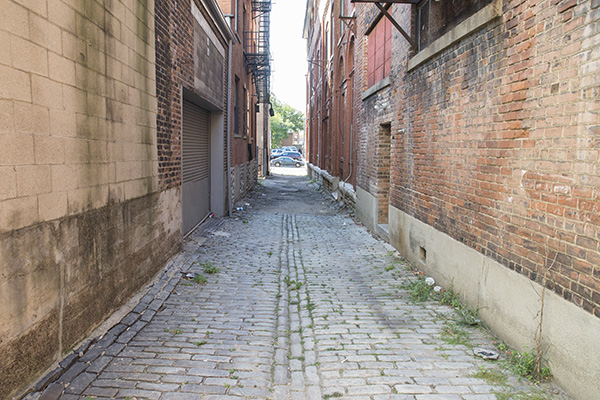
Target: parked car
293,154
287,162
289,148
276,153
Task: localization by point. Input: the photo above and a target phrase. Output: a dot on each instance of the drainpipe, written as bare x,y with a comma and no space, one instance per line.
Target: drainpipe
229,194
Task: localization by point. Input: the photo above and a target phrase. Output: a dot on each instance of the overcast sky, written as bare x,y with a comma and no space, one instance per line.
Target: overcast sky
289,52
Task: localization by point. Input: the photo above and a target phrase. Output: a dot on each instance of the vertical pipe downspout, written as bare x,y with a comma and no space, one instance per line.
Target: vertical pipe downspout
266,119
229,194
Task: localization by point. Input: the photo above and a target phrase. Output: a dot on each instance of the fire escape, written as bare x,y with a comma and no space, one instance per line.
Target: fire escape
256,49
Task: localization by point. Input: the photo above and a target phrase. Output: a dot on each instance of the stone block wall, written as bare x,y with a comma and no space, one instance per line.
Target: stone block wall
78,109
243,179
82,225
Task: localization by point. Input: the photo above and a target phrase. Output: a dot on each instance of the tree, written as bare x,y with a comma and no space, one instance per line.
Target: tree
286,120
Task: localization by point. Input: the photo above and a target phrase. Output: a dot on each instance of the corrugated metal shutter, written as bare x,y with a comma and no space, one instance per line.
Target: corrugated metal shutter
196,155
196,166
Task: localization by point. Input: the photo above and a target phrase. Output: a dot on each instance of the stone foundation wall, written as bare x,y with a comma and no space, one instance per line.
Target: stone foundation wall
341,191
62,278
243,178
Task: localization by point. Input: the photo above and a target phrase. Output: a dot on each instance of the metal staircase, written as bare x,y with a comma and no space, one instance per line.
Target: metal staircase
256,49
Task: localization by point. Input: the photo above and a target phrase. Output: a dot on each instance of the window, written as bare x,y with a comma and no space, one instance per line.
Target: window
327,43
237,17
379,52
246,113
435,18
346,8
236,108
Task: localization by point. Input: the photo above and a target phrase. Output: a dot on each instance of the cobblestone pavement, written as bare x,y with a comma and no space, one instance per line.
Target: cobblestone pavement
305,304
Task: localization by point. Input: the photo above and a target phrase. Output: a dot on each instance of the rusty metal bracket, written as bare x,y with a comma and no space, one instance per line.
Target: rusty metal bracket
383,7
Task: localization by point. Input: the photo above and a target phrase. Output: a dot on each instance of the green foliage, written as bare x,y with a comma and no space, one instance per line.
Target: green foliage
454,334
285,121
524,365
419,290
491,376
199,278
209,268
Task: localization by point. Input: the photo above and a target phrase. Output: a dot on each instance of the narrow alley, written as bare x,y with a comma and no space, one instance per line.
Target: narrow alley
299,302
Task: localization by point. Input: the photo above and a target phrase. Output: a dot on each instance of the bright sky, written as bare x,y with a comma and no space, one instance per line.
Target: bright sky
288,49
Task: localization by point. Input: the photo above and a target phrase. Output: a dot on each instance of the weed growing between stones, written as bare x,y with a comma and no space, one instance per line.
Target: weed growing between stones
491,376
200,279
420,290
209,268
534,395
524,365
454,334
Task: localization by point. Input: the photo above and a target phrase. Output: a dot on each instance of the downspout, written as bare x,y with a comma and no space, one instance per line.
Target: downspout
266,116
229,194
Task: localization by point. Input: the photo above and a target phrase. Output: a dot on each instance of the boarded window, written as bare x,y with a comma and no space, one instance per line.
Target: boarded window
435,18
236,109
379,52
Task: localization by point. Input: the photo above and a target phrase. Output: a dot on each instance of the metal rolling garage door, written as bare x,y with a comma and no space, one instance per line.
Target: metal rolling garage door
196,162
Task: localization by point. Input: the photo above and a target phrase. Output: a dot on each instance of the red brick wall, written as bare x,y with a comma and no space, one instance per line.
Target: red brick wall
331,132
239,144
174,70
495,142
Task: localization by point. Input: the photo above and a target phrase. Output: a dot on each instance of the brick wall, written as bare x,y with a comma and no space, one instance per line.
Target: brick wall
244,161
495,141
175,67
180,47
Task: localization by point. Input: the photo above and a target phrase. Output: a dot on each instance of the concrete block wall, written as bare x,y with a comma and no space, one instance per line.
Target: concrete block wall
82,225
78,121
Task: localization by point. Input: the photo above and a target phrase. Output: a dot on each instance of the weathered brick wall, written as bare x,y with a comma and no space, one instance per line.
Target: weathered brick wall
241,153
174,68
180,46
495,142
319,91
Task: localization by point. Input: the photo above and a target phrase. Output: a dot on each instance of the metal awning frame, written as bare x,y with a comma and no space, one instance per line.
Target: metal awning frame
384,7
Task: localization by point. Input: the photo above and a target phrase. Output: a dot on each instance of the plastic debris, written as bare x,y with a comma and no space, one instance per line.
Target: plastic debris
188,275
485,354
430,281
437,289
240,208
